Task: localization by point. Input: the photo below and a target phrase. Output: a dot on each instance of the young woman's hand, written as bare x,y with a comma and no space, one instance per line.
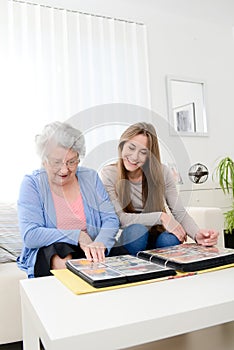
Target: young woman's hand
94,251
173,226
207,237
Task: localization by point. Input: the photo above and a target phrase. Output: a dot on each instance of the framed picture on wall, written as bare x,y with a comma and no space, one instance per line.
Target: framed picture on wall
184,118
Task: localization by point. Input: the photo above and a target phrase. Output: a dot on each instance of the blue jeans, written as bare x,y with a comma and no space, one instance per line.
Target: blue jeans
135,238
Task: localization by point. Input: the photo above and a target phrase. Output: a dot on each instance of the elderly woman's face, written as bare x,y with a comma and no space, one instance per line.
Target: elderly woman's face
61,165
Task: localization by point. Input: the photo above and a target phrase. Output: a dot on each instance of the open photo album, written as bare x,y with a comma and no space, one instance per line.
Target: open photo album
151,264
189,257
117,270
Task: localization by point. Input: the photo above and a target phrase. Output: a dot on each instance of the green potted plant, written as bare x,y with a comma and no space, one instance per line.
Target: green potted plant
225,174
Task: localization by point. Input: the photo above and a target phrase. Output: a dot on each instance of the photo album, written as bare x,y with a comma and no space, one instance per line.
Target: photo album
150,264
117,270
189,257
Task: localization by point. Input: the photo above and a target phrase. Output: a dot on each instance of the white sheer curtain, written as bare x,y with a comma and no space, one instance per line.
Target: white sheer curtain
59,64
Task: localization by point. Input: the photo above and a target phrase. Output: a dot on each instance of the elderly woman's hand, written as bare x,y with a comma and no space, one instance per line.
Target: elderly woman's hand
94,251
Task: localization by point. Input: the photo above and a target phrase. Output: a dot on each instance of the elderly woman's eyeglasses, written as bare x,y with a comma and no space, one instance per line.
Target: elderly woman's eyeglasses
58,164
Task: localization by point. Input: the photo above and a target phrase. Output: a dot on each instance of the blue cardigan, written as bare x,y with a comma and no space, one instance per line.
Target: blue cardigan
37,217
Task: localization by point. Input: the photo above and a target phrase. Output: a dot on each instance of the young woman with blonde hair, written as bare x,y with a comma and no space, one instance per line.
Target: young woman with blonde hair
141,188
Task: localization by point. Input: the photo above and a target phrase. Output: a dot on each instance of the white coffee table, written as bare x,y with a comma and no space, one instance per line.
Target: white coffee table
125,317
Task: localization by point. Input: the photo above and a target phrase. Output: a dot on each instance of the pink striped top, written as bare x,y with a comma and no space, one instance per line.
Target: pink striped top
70,216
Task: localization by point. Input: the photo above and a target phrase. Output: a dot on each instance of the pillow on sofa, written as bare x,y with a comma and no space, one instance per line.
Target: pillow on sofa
10,240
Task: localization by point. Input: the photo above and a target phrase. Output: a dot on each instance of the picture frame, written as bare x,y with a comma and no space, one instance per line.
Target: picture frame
187,106
184,118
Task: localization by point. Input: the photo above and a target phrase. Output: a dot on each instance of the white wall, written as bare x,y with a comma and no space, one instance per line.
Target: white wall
188,38
199,46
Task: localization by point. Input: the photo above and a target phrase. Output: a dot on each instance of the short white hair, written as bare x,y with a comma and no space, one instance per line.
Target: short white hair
60,134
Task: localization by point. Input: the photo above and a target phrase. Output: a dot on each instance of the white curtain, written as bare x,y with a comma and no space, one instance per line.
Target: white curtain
59,64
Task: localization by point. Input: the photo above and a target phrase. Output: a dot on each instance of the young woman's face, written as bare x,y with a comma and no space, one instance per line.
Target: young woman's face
135,152
61,165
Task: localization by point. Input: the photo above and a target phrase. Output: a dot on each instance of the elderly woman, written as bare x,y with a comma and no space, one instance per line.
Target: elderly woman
64,210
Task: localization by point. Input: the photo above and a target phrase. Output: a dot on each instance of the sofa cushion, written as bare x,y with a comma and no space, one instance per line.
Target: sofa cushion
209,218
10,240
10,310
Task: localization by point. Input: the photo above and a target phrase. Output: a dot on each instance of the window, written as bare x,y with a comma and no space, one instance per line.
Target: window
65,65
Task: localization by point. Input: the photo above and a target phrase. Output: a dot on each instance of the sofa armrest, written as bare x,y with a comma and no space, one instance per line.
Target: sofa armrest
209,218
10,308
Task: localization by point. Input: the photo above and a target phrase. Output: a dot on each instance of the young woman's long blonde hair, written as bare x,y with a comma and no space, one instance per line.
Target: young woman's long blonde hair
153,187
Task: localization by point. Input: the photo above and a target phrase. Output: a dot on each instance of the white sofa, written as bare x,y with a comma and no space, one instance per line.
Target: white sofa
210,218
10,247
10,314
10,310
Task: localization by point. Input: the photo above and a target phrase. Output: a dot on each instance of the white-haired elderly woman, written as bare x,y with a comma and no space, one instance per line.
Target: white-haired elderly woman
64,210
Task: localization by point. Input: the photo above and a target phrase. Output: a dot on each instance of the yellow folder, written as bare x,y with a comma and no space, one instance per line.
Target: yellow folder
78,286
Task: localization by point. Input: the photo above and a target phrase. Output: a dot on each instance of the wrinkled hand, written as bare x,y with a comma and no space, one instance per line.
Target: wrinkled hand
207,237
173,226
94,251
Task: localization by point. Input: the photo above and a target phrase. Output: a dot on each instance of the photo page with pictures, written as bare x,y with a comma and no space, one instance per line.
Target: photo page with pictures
189,257
117,270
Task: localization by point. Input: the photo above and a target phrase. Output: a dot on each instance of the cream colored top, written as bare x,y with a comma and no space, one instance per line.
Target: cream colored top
172,201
